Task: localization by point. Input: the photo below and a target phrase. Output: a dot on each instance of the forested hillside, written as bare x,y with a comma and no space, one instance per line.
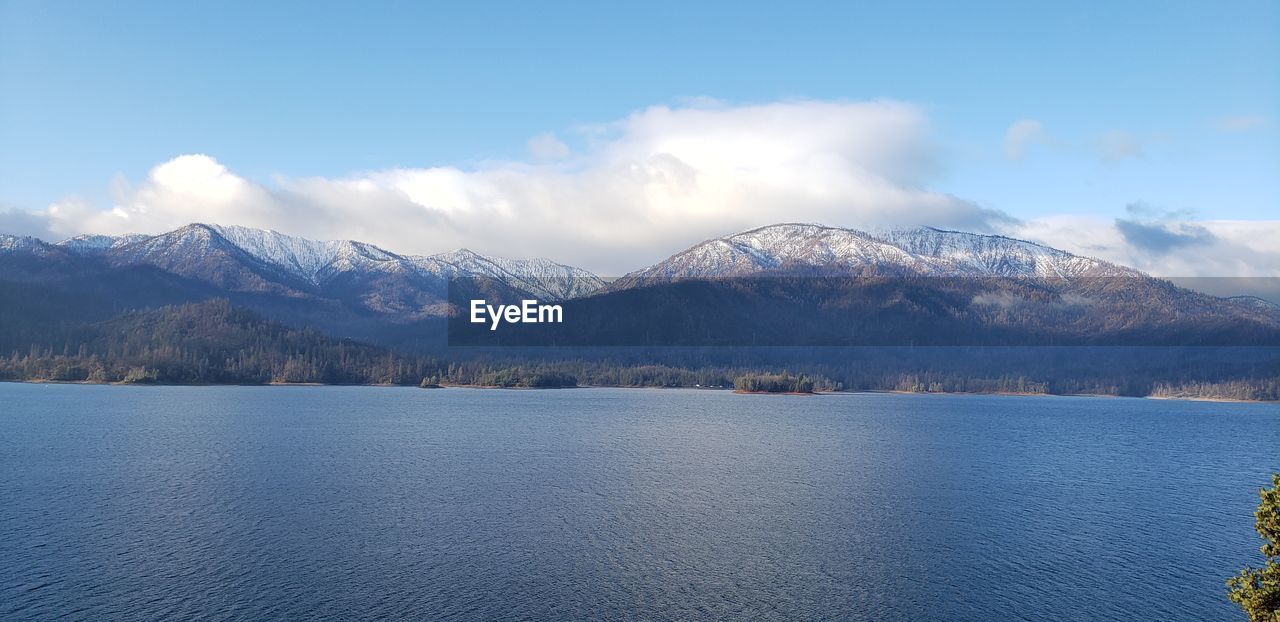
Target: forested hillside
208,342
216,342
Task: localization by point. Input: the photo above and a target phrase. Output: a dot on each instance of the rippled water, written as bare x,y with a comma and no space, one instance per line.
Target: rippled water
345,502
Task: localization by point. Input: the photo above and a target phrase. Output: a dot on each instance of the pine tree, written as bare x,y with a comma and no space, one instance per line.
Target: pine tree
1257,590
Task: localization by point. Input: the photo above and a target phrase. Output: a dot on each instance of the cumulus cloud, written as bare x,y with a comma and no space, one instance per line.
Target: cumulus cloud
1021,136
646,185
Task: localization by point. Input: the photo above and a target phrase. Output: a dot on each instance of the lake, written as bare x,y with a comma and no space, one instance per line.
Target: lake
374,503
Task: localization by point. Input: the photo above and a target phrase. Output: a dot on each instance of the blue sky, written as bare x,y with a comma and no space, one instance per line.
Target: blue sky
1173,105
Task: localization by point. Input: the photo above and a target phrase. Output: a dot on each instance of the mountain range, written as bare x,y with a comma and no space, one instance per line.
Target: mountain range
361,276
244,259
887,286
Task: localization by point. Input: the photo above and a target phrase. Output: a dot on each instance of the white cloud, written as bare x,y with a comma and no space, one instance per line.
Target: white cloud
653,183
186,189
1021,136
1166,248
647,185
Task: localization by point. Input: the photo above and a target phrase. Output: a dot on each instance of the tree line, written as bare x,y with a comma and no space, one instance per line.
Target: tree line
215,342
773,383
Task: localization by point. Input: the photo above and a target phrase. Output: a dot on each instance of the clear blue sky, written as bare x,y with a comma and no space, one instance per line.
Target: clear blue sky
89,90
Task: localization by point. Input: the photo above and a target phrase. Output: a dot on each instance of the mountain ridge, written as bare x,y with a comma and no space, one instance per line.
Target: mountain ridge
400,287
831,251
315,261
98,307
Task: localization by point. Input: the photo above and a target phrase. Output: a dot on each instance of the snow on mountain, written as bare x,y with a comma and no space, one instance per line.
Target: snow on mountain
1255,303
967,254
190,250
363,276
24,244
300,257
834,251
807,248
546,278
315,261
91,243
778,247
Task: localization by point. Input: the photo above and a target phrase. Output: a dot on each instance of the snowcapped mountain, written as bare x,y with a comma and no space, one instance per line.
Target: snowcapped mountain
318,262
248,259
1009,291
274,271
925,286
831,251
261,260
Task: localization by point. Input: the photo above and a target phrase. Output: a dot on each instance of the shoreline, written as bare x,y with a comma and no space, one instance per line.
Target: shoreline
1225,400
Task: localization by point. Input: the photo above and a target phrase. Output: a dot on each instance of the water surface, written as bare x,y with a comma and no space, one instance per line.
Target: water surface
359,502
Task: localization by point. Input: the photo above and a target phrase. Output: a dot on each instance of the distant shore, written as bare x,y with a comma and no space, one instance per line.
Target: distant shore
1208,399
729,389
786,392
